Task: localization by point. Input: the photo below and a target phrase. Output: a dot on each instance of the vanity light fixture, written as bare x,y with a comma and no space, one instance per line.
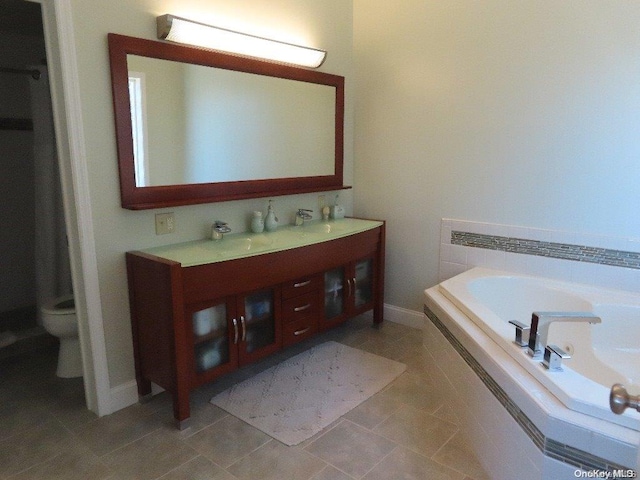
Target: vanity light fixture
181,30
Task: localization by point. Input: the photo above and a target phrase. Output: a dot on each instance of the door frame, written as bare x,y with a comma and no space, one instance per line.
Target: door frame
70,144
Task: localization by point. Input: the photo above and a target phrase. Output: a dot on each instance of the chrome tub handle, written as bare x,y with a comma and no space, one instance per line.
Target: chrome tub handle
619,399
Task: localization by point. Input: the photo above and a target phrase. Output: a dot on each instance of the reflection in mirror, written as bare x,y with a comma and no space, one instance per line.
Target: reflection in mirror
195,126
216,125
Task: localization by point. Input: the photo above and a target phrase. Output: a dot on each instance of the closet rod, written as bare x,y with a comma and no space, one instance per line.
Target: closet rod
35,74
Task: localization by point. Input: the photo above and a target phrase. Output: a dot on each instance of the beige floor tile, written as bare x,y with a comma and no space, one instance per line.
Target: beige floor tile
448,414
21,414
351,448
203,414
275,461
111,432
199,468
149,457
407,465
383,347
375,410
416,391
142,442
77,463
417,430
457,455
68,405
417,364
331,473
227,440
312,439
33,446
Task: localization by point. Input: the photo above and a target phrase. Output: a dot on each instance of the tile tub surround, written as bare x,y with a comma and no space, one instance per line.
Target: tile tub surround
404,431
602,260
516,427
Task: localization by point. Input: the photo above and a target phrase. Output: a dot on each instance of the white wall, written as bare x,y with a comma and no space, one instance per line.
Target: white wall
518,113
326,24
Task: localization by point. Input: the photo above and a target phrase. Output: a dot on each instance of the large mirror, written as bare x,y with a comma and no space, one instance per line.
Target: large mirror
195,126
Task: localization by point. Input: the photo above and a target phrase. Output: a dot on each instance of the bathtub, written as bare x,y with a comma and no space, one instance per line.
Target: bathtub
521,420
601,354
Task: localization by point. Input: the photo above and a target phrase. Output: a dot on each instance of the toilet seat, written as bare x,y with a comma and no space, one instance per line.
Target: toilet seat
64,305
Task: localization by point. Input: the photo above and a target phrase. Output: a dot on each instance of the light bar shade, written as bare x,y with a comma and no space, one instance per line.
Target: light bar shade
181,30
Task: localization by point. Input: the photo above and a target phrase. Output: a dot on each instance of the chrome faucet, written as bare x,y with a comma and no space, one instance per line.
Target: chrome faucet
540,322
218,229
302,215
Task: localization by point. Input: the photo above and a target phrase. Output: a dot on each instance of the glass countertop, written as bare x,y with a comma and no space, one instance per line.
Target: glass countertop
240,245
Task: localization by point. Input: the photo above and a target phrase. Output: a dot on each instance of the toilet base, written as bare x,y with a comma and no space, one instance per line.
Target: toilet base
69,358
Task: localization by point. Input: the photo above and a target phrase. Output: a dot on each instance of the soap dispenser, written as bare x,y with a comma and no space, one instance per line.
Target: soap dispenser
271,221
337,211
257,222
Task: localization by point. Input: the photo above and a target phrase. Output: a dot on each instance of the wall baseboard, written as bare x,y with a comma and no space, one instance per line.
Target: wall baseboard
126,394
403,316
123,395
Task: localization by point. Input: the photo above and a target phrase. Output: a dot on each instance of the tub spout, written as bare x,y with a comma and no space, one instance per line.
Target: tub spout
540,322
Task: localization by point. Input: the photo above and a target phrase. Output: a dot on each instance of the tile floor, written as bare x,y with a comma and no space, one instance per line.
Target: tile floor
403,432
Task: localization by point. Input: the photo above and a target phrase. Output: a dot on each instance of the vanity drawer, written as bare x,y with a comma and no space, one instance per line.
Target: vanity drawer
299,330
302,306
301,285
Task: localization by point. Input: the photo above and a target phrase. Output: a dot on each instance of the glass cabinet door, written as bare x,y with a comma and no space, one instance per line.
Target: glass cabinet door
211,337
363,282
334,293
258,322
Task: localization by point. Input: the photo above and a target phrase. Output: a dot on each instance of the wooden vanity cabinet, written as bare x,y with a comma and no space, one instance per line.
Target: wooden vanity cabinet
349,290
232,332
192,324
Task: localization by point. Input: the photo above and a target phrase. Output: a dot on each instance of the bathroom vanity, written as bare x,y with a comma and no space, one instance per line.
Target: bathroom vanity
202,309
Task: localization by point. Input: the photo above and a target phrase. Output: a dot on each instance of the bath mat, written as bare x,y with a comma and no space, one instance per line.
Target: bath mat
297,398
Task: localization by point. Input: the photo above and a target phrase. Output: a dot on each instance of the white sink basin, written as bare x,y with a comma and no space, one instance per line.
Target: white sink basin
324,228
245,244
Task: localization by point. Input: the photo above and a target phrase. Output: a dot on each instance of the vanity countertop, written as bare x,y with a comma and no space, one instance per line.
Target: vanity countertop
240,245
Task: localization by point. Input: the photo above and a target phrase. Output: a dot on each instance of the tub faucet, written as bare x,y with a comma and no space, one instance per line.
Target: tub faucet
218,229
540,322
302,215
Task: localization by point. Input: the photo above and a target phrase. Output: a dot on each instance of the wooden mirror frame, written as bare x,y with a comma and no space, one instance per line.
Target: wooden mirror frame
138,198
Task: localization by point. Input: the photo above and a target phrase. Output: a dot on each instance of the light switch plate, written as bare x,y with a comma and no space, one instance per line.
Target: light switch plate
165,223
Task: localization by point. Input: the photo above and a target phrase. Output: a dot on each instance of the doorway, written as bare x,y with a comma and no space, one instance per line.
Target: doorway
35,260
60,51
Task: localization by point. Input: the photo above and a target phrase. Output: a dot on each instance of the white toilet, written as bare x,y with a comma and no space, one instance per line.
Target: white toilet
59,319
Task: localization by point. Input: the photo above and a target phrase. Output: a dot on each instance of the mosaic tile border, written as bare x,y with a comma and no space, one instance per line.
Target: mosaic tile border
549,447
563,251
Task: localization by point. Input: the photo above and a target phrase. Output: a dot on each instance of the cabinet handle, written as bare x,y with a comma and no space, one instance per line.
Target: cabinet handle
302,284
300,332
235,331
349,283
303,307
355,284
244,328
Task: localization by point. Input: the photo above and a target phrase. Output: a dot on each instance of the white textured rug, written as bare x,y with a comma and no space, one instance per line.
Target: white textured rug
297,398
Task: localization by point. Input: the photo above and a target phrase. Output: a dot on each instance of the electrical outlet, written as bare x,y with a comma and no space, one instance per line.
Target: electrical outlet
165,223
321,202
